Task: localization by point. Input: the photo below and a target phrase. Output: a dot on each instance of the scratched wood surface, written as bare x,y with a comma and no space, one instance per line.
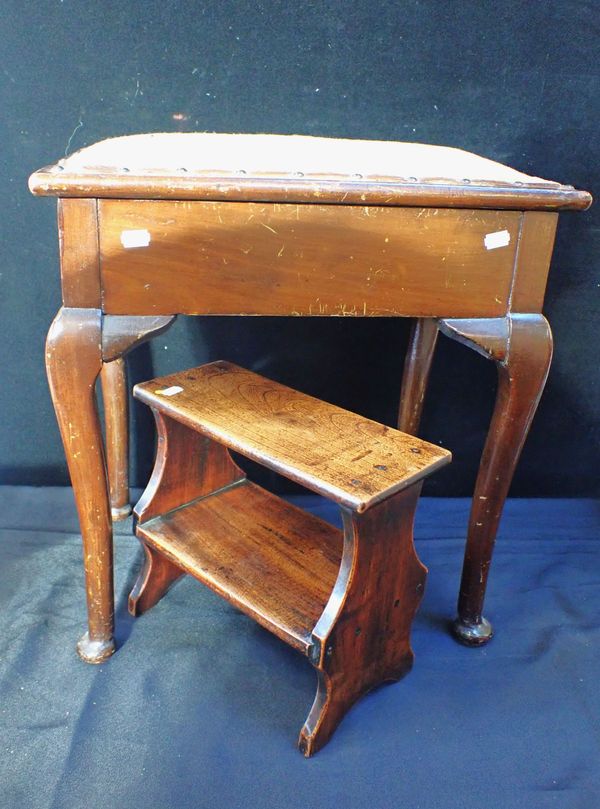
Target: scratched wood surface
363,636
272,560
533,261
351,459
79,253
273,259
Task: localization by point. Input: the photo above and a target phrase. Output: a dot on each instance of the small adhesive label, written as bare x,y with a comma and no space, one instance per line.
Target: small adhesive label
135,238
170,391
501,238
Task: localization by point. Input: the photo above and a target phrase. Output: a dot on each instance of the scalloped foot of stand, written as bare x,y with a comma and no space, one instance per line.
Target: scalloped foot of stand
120,513
472,634
94,651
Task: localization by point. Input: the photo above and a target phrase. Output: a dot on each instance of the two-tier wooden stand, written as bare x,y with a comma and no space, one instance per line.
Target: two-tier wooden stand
345,599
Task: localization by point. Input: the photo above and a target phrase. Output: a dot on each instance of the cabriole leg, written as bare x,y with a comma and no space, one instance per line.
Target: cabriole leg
521,346
73,362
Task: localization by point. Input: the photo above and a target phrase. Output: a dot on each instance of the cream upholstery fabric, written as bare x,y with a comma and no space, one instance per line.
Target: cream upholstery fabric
287,155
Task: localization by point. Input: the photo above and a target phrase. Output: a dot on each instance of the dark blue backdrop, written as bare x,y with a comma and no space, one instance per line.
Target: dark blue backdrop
516,81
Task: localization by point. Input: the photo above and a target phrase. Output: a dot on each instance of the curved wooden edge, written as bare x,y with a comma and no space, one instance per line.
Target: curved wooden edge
50,181
521,346
502,339
362,639
155,578
488,336
122,333
73,362
187,465
316,714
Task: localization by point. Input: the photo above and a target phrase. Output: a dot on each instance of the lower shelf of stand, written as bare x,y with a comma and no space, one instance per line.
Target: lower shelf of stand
270,559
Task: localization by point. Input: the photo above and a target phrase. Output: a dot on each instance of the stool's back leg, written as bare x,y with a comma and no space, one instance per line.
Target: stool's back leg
363,637
73,362
121,334
417,365
115,397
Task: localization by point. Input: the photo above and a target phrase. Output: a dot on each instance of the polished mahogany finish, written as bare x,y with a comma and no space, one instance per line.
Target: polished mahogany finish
73,362
345,599
521,347
417,365
303,260
120,334
352,459
242,538
116,409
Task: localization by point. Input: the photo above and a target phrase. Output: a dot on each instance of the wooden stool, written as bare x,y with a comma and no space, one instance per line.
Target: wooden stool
346,601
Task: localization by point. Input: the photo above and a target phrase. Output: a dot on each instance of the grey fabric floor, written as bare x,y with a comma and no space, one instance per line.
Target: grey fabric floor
201,708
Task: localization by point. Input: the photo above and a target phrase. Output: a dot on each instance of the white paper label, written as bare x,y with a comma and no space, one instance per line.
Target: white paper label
170,391
501,238
135,238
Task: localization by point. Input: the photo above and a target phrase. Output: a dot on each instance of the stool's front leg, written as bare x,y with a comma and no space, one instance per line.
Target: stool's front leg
73,362
78,343
521,346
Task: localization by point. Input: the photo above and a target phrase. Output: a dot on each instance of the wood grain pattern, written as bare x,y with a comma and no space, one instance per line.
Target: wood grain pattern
79,253
116,409
351,459
363,637
73,362
121,334
187,466
415,376
273,561
533,261
347,602
521,347
157,576
298,243
269,259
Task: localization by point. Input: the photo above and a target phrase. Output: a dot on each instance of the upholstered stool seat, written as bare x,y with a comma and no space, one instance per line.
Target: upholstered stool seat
296,168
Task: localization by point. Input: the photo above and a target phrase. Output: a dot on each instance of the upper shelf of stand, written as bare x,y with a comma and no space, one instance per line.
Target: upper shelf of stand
346,457
297,169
